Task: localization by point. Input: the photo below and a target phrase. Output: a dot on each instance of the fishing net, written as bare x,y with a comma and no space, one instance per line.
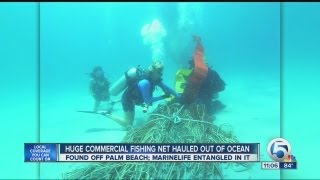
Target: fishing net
168,123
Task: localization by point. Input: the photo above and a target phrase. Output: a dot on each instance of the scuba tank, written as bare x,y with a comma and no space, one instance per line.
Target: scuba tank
122,83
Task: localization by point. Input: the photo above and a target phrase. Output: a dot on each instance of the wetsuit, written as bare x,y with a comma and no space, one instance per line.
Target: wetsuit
100,89
209,89
141,93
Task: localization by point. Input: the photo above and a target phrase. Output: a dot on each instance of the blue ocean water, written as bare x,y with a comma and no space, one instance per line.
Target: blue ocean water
225,32
241,41
242,38
300,125
19,102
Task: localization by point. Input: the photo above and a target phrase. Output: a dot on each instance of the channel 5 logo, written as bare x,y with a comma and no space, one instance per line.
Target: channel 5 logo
279,149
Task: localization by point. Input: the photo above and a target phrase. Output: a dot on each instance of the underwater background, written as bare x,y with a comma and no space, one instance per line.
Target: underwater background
241,40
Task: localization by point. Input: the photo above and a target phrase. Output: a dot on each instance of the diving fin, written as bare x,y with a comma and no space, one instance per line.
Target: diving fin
108,115
97,112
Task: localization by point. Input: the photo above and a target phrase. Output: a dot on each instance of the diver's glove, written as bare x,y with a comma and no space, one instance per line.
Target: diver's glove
177,99
145,107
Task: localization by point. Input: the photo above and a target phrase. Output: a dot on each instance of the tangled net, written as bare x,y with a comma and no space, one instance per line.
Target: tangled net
172,123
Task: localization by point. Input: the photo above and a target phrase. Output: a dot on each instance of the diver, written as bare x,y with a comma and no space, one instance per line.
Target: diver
99,88
200,84
139,91
209,92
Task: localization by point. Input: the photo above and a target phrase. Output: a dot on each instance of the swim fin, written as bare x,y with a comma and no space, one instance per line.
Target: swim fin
110,116
97,112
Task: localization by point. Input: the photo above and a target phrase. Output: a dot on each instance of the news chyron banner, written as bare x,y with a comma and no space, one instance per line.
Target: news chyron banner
71,152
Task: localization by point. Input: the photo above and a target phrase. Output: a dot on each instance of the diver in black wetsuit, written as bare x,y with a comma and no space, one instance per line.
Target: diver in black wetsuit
140,92
99,87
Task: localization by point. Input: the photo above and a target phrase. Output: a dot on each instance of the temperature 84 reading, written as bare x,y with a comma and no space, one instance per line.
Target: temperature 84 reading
288,165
